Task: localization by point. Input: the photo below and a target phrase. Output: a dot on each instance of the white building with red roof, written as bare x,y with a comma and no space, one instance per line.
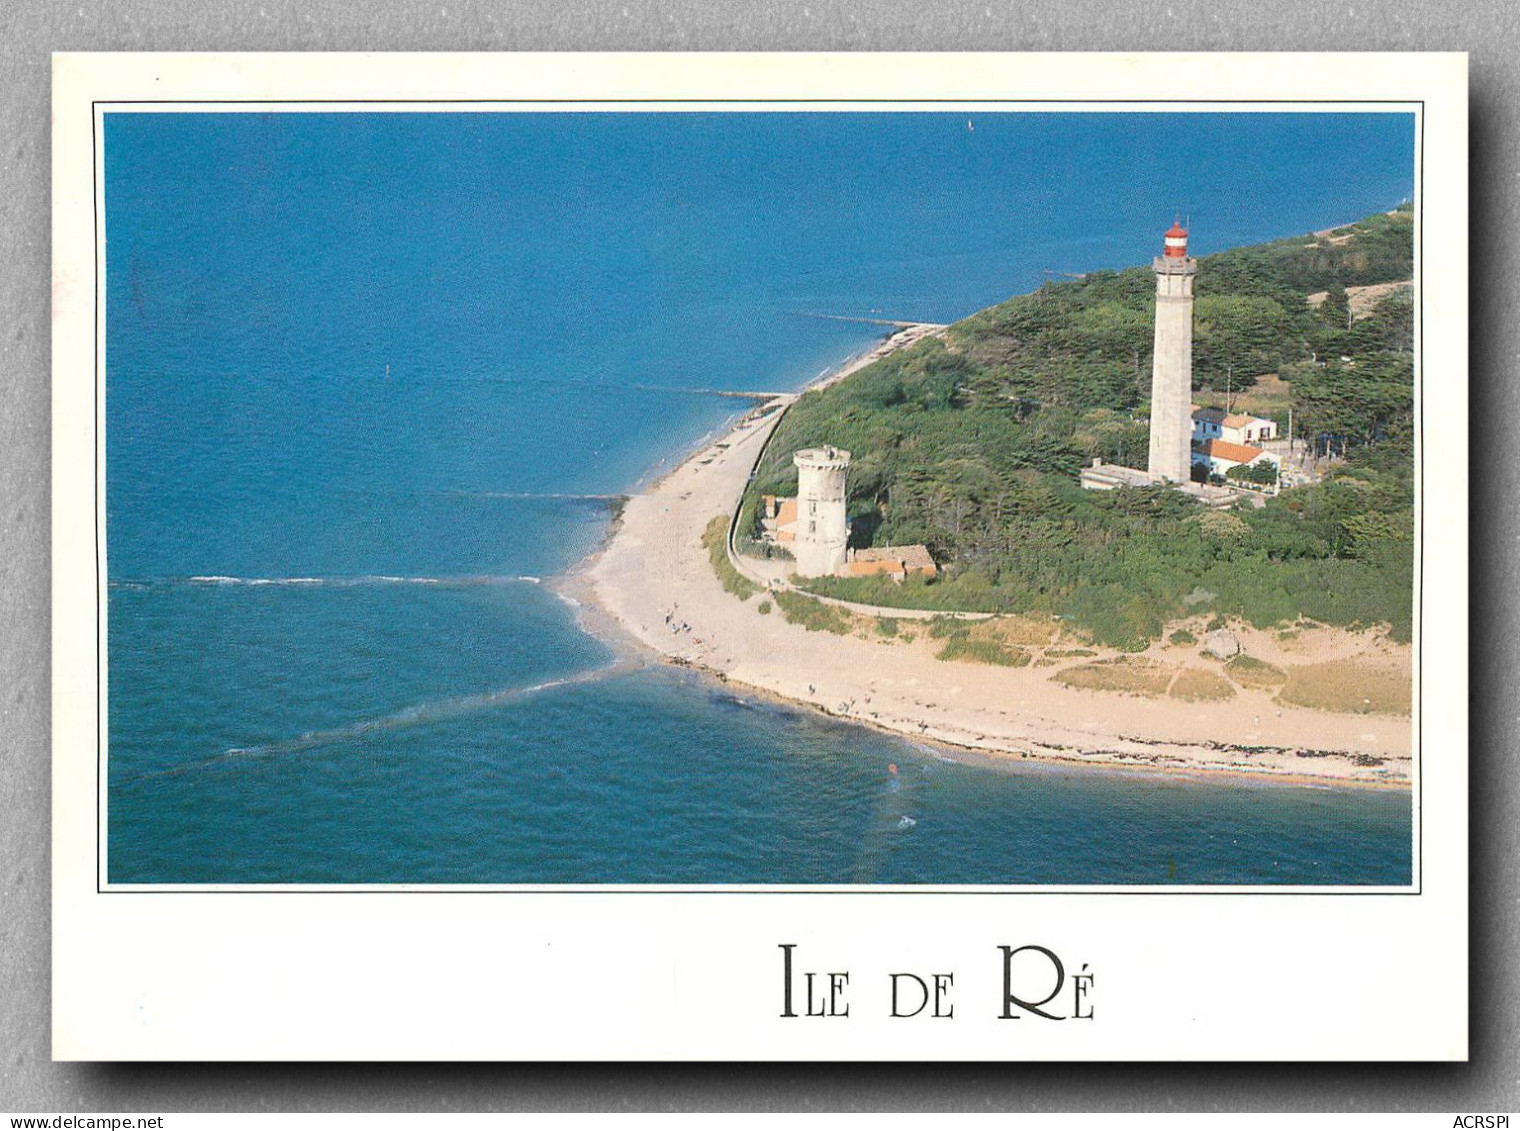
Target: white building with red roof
1219,456
1232,427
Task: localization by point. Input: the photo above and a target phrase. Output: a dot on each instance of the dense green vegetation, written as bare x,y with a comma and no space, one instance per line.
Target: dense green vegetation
812,615
715,539
972,445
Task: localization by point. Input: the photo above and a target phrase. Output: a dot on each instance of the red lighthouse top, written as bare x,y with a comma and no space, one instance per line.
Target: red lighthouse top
1176,242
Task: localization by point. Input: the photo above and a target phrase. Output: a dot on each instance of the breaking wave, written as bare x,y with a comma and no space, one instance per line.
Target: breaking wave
540,496
420,714
216,579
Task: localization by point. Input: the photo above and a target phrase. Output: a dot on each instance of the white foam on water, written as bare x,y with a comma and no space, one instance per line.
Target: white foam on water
537,496
418,714
341,582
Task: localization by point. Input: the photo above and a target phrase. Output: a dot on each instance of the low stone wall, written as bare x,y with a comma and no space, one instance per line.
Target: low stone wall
771,582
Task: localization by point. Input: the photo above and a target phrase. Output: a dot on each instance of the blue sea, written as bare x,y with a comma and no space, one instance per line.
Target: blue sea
371,379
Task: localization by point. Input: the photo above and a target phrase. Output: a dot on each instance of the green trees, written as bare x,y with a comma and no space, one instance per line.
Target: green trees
1237,338
972,445
1263,473
1388,328
1341,405
1335,311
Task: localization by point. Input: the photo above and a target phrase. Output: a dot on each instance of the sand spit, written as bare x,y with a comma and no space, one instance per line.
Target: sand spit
654,581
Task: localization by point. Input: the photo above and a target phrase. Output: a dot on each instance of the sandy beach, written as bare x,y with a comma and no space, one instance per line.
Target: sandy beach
655,580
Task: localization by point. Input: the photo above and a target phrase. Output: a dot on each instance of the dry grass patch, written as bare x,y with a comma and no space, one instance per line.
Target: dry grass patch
1356,686
1199,685
1127,675
981,642
1031,632
1269,396
982,652
1251,672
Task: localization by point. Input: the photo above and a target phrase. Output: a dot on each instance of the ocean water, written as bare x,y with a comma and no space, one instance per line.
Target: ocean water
371,378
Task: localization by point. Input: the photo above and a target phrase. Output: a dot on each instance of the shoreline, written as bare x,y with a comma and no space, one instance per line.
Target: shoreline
651,585
576,588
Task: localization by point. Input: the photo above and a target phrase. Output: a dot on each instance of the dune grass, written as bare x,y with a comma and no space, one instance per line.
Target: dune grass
1250,672
812,615
1199,685
983,651
1354,686
1126,675
715,539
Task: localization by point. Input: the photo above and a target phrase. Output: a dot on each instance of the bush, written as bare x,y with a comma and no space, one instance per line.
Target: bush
983,651
715,538
1182,636
812,615
1251,672
1262,473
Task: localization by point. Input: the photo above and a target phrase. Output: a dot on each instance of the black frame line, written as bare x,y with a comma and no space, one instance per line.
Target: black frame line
102,887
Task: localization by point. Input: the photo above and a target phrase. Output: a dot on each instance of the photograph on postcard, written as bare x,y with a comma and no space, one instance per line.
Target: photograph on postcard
718,543
677,495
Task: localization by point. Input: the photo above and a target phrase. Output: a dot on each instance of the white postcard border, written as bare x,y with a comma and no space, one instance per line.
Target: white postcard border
631,973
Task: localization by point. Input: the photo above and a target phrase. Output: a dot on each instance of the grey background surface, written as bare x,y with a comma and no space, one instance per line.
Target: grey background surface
31,29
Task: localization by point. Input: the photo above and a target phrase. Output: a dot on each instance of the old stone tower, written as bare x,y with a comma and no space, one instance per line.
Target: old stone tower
1172,368
822,527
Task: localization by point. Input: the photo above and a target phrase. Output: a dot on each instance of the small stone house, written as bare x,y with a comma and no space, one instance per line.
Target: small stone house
778,519
896,562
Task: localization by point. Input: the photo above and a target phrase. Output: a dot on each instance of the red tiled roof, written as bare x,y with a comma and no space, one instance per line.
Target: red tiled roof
891,559
1238,453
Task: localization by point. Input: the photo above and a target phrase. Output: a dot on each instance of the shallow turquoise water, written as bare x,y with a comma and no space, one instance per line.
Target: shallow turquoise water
370,377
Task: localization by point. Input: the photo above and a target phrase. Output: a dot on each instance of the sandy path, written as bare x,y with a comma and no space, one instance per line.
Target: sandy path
655,579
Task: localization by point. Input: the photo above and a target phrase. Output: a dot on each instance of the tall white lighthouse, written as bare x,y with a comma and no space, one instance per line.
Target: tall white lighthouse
1172,366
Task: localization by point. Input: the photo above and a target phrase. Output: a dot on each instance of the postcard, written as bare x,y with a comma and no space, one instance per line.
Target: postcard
754,557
